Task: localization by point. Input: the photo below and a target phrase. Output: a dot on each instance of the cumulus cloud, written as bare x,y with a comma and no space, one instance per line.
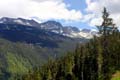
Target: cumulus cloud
95,7
42,9
88,17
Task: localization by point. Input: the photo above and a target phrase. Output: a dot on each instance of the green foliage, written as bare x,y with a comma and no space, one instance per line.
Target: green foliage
16,64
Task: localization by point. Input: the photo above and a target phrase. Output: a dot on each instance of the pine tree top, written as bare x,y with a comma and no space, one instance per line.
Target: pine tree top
107,27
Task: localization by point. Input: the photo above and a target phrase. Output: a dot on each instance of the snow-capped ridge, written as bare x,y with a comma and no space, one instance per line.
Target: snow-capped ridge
21,21
52,26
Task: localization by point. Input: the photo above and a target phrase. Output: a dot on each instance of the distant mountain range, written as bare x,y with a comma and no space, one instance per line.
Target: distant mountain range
25,44
51,26
51,35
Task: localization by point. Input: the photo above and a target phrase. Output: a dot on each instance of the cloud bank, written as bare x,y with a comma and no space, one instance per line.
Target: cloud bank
42,9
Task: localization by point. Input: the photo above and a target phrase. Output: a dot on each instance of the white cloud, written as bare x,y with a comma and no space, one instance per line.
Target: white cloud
88,17
95,7
43,9
96,21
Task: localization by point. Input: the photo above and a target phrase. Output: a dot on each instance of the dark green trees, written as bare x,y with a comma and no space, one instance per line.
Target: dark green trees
107,29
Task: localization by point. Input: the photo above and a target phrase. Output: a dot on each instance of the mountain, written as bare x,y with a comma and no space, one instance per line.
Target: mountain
22,47
68,31
44,35
52,26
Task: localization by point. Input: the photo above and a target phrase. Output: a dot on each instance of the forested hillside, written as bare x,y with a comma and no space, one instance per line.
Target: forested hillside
89,62
98,59
17,58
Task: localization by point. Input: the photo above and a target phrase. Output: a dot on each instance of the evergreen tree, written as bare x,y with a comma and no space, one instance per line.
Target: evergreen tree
107,27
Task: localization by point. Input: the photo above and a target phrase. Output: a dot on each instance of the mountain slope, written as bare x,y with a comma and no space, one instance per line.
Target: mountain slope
37,37
23,46
17,58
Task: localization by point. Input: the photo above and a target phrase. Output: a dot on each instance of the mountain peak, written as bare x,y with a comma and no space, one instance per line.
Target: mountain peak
52,26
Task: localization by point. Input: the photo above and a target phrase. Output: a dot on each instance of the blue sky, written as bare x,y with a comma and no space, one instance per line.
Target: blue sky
77,5
94,7
79,13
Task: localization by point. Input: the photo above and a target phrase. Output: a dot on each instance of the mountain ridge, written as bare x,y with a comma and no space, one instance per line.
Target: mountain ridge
52,26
